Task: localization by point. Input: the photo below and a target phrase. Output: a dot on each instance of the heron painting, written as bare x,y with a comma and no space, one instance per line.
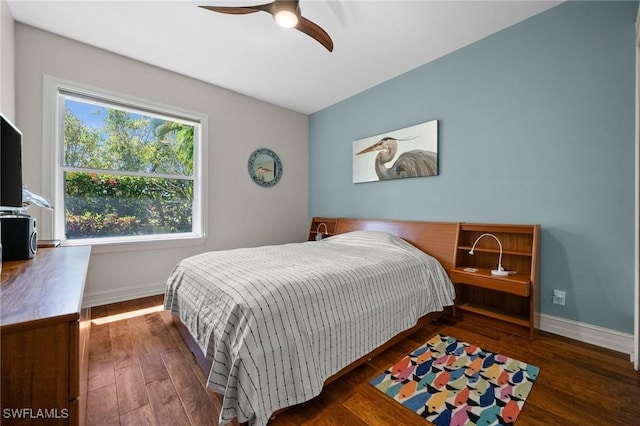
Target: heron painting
403,153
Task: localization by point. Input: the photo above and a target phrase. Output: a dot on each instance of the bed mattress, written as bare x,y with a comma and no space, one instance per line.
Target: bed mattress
277,321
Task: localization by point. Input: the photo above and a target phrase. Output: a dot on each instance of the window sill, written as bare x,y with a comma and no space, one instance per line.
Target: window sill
118,245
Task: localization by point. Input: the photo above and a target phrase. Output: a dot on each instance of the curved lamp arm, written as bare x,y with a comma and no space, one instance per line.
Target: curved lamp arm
500,271
320,236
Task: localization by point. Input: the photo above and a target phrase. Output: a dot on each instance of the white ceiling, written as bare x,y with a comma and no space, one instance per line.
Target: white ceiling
374,40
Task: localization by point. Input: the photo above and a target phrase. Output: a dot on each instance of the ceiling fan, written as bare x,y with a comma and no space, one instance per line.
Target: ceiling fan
286,13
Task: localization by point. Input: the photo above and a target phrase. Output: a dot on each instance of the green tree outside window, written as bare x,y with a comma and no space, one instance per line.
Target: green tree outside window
125,173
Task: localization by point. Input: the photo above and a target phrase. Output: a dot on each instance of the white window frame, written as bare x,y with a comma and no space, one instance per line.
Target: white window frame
53,223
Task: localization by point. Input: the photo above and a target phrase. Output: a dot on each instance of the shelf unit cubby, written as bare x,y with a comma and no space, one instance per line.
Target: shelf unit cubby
508,302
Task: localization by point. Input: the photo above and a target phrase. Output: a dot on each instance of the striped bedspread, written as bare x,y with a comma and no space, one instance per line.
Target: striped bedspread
279,320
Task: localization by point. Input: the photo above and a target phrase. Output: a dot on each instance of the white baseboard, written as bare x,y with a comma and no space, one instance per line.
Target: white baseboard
599,336
103,297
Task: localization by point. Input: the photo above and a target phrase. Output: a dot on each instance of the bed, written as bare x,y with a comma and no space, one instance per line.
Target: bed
276,323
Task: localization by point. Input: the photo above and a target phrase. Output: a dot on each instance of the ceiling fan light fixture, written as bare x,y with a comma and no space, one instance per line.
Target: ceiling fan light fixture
286,13
286,18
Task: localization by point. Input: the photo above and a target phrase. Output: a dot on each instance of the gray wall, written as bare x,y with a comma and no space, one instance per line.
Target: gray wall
7,62
536,126
237,125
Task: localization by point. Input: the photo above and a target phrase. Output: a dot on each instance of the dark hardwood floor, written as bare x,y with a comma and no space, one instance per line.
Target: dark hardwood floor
141,373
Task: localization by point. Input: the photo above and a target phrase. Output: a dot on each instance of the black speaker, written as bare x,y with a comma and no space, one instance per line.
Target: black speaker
19,237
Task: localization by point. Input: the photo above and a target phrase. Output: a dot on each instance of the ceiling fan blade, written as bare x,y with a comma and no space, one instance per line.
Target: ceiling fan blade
241,10
314,31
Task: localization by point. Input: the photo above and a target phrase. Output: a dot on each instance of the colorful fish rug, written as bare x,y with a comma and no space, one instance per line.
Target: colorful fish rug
449,383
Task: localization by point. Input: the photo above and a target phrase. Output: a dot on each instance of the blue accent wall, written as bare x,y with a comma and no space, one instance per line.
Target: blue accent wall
536,125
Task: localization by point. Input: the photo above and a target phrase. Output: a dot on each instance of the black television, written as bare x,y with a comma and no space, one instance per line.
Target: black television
10,166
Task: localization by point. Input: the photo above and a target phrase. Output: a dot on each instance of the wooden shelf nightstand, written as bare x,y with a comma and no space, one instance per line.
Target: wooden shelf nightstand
510,302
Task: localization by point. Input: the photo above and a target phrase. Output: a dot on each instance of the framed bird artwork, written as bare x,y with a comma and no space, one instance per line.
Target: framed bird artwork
402,153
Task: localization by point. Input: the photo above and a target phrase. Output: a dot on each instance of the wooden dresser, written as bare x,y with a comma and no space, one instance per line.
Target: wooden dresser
44,332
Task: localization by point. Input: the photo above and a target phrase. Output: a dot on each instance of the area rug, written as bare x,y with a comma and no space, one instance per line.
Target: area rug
449,382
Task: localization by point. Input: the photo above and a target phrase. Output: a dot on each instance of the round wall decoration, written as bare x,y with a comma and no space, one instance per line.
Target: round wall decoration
265,167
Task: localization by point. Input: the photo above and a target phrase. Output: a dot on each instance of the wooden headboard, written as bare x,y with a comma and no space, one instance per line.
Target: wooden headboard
438,239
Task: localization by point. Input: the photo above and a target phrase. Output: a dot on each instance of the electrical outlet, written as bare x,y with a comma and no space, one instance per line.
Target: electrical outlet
558,297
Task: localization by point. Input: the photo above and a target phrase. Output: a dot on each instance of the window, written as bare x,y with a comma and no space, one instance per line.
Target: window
123,170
